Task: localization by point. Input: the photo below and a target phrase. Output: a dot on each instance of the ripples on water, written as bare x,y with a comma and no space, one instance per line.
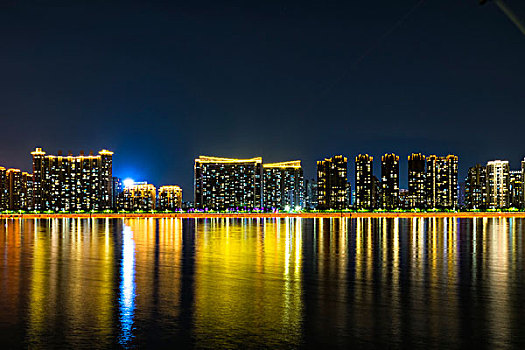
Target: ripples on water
274,283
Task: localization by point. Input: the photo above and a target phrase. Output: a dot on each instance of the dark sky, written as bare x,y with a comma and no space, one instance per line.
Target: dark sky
161,82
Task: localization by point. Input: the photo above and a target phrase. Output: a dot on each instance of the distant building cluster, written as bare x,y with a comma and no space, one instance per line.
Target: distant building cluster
495,186
432,183
67,183
233,184
238,184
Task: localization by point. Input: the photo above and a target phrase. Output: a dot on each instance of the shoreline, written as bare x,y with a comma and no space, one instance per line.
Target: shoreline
267,215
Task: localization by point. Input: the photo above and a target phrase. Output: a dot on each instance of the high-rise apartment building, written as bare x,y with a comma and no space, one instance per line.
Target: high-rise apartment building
523,179
19,191
498,181
364,182
516,189
416,198
390,181
116,189
442,182
4,194
476,187
224,183
139,196
169,198
283,185
332,183
26,197
72,183
15,189
310,187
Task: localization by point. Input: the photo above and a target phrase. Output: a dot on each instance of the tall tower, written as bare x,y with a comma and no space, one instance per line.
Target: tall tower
390,181
40,173
4,194
364,182
332,183
416,181
476,187
442,182
106,179
498,184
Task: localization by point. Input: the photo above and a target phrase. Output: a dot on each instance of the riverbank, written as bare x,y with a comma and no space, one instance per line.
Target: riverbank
268,215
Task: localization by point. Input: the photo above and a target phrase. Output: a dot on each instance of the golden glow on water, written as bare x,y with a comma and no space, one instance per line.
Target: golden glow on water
279,282
237,291
76,241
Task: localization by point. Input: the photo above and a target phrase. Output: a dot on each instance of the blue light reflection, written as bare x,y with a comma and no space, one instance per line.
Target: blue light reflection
127,287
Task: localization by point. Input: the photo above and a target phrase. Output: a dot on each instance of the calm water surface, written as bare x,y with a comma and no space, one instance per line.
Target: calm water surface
256,283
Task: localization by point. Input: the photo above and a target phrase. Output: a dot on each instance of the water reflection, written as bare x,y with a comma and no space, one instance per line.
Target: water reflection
433,283
248,282
127,286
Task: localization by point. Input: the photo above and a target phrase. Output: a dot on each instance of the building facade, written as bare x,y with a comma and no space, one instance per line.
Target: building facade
228,183
116,189
442,182
72,183
169,198
140,196
416,198
523,179
332,183
16,190
476,188
283,185
310,187
498,181
364,182
4,193
390,181
516,189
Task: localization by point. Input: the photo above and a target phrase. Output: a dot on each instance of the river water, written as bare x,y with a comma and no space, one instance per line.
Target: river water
262,283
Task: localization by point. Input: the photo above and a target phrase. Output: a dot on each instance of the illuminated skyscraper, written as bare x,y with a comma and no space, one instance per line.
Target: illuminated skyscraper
116,190
416,197
364,182
139,196
498,181
523,179
390,181
15,189
476,187
224,183
18,190
4,194
442,182
332,183
169,198
68,183
310,194
283,185
516,189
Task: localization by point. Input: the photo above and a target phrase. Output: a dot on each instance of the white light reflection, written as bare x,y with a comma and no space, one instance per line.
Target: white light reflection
127,286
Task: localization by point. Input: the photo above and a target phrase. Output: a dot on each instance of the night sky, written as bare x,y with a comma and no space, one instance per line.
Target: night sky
161,82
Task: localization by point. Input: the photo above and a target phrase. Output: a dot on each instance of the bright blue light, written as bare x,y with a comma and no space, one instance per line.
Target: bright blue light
128,182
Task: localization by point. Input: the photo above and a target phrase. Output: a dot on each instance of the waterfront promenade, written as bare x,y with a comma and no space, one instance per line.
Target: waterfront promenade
268,215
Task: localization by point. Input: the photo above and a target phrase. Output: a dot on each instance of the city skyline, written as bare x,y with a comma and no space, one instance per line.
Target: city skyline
446,80
87,183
